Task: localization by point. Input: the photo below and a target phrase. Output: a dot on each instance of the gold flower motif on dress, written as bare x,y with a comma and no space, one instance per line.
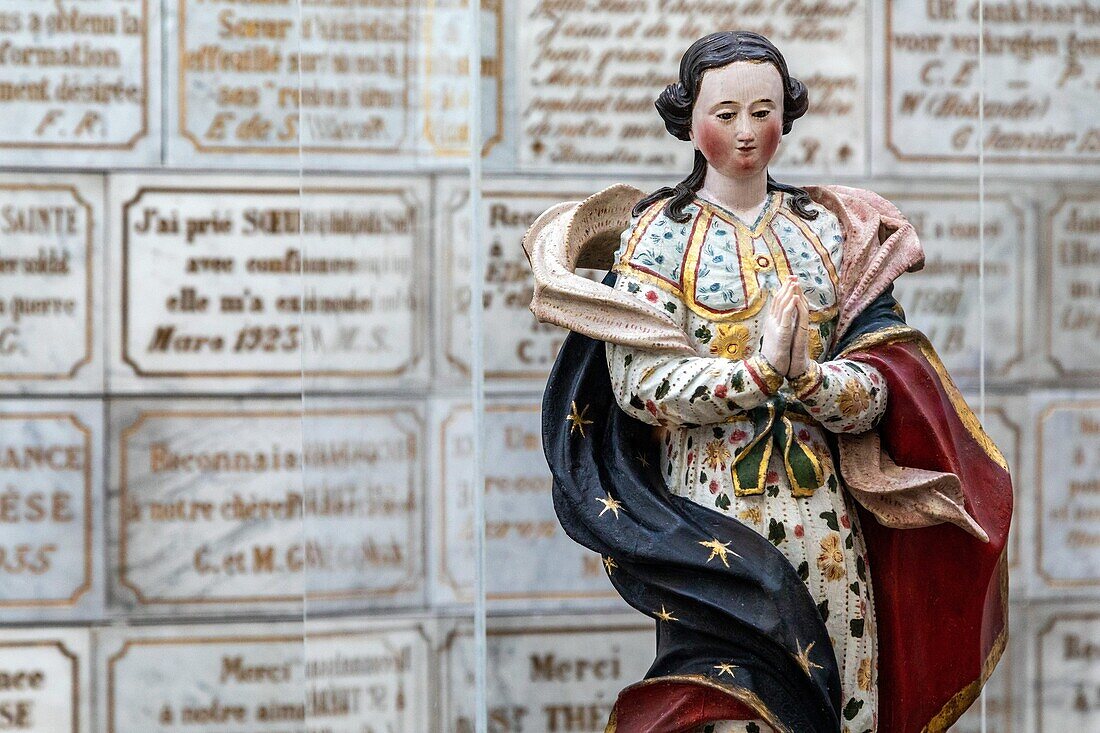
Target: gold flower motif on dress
831,559
716,454
853,399
863,674
730,341
752,515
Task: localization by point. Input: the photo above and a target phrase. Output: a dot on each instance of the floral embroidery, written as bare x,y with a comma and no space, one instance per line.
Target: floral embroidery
717,454
720,391
852,400
731,341
831,559
863,675
752,514
651,296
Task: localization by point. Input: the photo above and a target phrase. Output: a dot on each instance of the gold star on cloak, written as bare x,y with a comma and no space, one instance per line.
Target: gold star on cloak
609,564
803,657
577,419
725,668
665,615
720,550
610,504
643,460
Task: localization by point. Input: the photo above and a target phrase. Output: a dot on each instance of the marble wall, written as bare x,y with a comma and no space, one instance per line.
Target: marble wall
238,437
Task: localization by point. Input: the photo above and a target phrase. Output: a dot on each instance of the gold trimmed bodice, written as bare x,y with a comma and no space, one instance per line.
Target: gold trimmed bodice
724,269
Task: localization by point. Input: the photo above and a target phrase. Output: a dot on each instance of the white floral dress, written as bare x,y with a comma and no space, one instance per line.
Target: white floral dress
715,276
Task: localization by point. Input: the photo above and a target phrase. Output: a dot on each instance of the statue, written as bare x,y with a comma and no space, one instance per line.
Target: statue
773,465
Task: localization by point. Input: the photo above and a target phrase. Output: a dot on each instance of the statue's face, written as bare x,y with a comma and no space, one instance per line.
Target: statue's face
737,121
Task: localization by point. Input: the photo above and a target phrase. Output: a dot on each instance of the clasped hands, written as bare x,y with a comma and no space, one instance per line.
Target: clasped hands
785,343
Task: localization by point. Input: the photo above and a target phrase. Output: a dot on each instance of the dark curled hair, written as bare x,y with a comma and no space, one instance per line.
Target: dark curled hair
677,101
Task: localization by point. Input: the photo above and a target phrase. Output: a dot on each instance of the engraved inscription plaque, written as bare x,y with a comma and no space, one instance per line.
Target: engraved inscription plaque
235,506
1040,86
50,457
79,82
224,288
50,274
547,674
266,678
1067,673
1068,495
45,675
381,80
943,299
1071,242
518,349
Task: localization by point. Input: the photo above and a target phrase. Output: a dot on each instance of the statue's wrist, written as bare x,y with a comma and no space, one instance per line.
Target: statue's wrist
806,383
767,376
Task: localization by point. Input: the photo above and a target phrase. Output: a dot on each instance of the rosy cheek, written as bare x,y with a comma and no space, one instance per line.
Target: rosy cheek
769,137
713,143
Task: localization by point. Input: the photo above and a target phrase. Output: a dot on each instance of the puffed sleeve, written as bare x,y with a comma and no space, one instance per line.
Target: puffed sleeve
845,396
662,389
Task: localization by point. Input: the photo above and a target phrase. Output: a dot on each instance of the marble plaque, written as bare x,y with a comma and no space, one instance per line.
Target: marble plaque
225,286
529,557
80,82
46,680
1040,87
51,453
233,506
1067,671
265,678
519,350
547,674
51,273
590,72
348,82
1067,504
1071,243
944,299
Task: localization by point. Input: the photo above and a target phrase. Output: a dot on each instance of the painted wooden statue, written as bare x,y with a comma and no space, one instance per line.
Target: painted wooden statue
773,465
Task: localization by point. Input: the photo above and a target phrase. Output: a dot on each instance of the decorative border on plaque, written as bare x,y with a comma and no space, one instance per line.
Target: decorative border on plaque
142,132
1021,220
461,591
449,280
496,66
1048,251
65,652
891,144
89,269
89,456
411,578
415,337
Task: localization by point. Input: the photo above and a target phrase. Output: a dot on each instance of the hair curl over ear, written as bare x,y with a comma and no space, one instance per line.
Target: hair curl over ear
676,102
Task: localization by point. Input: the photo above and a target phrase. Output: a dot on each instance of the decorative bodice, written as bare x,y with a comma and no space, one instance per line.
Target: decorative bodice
723,269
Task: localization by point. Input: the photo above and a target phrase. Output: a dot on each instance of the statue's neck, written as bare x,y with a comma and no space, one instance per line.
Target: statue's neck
743,196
